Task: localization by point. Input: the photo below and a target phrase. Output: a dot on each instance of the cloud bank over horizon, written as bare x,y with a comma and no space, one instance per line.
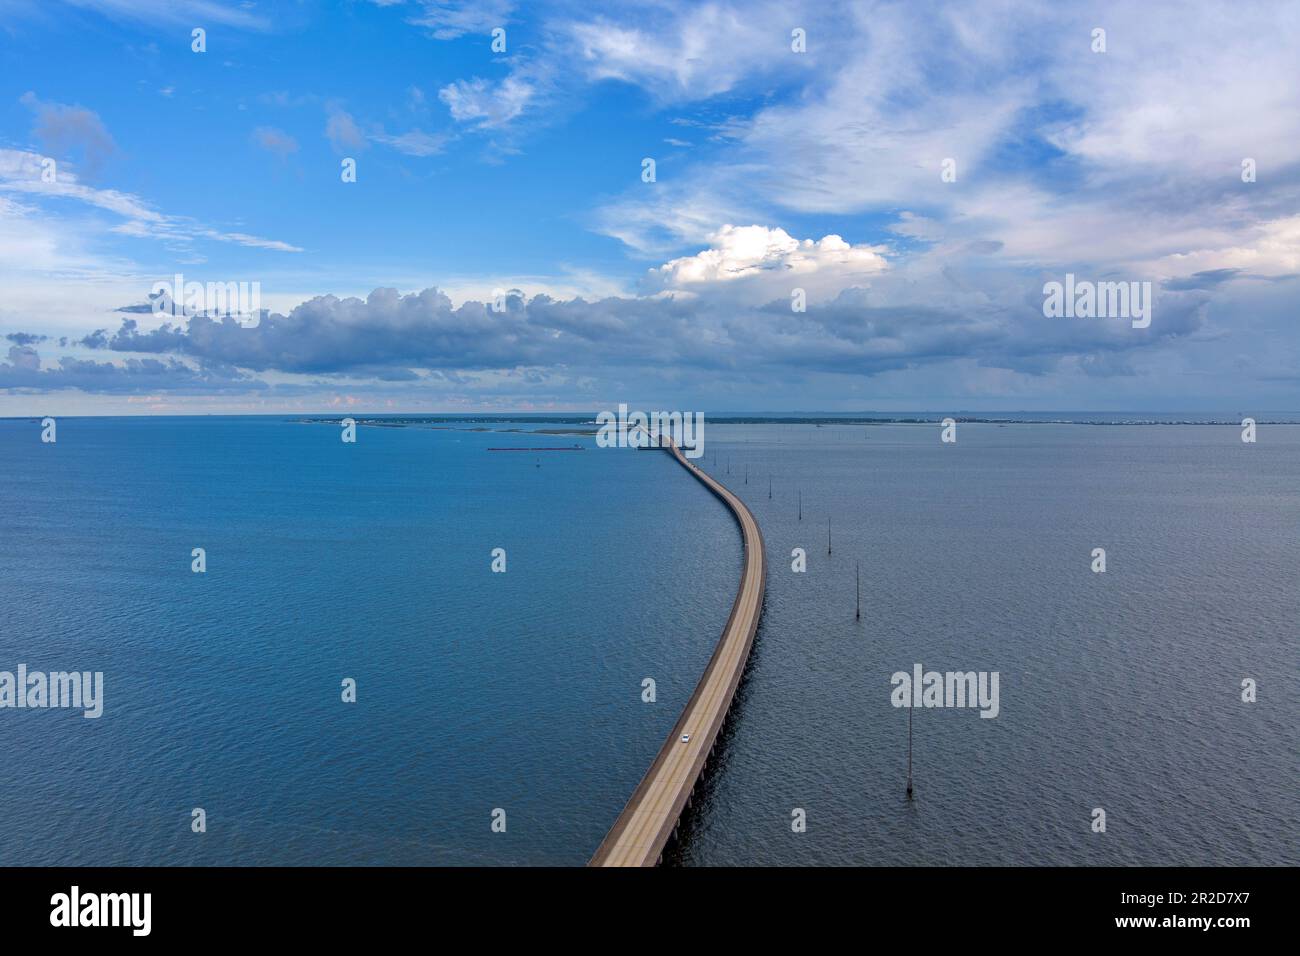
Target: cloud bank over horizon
867,222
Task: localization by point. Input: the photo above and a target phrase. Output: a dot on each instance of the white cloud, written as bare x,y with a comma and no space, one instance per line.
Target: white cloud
660,219
748,252
414,142
20,173
1126,161
1153,132
451,19
1187,87
488,104
693,51
1270,249
187,12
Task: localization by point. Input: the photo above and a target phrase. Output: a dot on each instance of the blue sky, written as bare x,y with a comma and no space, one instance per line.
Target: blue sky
776,170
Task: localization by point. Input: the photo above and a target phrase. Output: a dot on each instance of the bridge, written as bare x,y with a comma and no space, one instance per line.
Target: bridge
654,810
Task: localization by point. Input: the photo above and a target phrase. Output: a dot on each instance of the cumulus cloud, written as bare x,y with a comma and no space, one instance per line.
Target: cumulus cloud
857,331
749,252
24,358
1119,166
1064,157
386,330
26,338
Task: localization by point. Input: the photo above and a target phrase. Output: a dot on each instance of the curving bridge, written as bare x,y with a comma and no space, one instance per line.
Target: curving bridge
651,816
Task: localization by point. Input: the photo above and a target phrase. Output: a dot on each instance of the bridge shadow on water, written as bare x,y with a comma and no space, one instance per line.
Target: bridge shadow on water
678,850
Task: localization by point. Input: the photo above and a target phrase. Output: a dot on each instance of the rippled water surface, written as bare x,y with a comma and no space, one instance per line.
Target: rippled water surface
1119,690
476,691
522,690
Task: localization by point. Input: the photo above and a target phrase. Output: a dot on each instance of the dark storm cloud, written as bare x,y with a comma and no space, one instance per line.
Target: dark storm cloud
422,330
389,336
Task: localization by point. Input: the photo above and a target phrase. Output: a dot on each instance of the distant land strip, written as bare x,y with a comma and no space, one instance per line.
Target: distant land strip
586,424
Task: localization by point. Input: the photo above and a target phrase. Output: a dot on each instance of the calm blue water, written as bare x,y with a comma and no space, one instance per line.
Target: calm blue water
325,560
522,691
1118,690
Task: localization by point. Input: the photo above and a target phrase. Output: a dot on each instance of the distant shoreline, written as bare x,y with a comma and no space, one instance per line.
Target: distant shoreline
583,425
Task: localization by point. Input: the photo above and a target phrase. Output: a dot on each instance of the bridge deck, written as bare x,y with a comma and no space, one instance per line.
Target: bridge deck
647,822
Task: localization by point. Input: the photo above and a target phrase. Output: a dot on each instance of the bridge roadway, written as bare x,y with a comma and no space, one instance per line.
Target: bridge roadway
650,818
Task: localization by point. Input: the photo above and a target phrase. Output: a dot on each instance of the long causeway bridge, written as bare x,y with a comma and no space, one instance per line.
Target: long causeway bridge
651,816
